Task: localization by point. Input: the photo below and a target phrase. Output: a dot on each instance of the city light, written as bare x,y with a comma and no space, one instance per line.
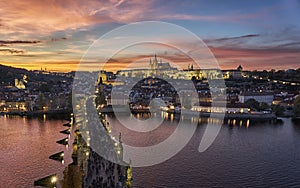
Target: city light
54,179
60,62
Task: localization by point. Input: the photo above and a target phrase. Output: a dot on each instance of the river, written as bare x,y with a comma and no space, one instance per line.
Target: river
26,145
258,155
243,155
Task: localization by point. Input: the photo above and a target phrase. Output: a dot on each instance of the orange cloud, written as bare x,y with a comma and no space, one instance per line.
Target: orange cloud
42,17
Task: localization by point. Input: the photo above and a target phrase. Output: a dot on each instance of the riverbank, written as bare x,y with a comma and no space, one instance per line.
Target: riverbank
185,112
55,114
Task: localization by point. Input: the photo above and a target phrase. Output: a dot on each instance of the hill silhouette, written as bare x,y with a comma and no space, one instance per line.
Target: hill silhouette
8,75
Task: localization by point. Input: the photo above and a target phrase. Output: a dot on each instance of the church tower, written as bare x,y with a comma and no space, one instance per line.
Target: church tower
150,64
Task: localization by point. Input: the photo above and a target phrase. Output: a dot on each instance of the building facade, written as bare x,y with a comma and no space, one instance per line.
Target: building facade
261,97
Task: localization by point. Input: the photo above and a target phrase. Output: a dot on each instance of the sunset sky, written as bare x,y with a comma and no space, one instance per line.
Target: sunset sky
55,34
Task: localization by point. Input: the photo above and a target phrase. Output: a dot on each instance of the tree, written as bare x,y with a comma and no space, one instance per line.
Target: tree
100,99
44,88
278,110
296,108
194,79
264,106
41,101
253,104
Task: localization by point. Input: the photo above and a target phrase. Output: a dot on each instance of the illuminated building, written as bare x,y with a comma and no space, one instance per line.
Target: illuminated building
16,106
234,73
165,70
219,108
20,84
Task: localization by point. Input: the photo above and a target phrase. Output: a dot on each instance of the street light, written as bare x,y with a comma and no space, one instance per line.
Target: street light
54,180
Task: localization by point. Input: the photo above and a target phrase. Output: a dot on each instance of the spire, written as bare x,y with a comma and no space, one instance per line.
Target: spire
240,68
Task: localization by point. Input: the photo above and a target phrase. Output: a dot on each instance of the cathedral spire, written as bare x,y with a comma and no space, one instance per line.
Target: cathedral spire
155,58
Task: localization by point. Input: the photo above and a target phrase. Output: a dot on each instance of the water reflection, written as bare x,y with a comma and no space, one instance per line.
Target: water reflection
26,145
252,154
266,155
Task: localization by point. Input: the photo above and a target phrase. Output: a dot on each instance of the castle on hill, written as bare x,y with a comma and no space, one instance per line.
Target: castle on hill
158,68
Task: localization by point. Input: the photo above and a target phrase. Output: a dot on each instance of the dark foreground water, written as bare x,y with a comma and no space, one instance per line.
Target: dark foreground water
262,155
